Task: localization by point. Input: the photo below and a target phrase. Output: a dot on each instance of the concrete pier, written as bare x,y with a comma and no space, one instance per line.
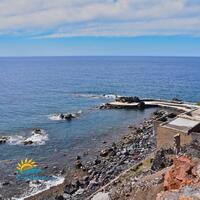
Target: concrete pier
186,107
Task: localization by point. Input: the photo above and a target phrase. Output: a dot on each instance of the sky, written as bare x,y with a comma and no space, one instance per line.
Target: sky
99,27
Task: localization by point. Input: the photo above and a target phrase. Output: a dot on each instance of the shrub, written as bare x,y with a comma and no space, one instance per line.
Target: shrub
198,103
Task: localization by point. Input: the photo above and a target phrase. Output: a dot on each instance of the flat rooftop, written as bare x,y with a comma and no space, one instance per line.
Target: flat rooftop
182,124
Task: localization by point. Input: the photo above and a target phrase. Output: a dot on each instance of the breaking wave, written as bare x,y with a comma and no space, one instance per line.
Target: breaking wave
57,116
36,139
36,188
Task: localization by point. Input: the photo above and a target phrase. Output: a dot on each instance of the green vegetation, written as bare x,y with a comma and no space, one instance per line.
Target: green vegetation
142,166
198,103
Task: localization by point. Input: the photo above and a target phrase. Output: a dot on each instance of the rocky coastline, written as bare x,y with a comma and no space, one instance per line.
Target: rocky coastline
112,160
135,151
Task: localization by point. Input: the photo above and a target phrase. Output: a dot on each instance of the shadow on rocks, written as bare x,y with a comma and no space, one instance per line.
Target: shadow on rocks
161,160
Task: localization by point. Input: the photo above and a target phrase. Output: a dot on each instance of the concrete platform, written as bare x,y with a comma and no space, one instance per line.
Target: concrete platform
155,103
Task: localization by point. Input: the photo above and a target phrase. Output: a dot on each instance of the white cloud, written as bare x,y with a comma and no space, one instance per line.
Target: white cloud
64,18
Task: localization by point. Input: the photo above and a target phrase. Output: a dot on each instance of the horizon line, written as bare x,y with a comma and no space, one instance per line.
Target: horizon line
32,56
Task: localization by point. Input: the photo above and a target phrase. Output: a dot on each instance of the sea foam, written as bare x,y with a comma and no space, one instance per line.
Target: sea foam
37,139
57,116
37,188
15,140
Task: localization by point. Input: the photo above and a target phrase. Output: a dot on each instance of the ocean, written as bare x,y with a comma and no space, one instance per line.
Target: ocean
32,89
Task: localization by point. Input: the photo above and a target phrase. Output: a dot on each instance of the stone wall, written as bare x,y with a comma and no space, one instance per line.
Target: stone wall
165,136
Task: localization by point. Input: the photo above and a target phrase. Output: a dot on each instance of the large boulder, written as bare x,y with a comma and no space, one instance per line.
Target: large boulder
3,139
128,99
68,116
71,188
78,164
160,113
105,106
141,105
61,116
136,99
37,131
176,100
180,174
171,115
28,142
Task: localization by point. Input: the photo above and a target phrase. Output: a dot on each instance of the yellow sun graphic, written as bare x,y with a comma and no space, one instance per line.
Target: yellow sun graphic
26,164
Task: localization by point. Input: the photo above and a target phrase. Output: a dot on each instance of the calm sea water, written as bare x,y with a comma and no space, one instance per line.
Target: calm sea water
33,88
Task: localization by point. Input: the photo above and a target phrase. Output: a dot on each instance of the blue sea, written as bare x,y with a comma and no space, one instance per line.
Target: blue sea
34,88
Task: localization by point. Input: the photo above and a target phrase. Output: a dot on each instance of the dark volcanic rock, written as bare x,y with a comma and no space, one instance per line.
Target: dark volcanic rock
93,185
127,99
71,188
172,115
160,113
136,99
28,142
78,164
176,100
68,116
37,131
3,139
117,157
105,106
195,144
161,161
6,183
61,116
141,105
97,161
60,198
78,158
163,119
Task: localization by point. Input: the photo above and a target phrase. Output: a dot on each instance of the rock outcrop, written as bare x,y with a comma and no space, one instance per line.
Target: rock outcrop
114,159
105,106
28,142
141,105
161,160
65,116
182,180
3,139
179,174
37,131
128,99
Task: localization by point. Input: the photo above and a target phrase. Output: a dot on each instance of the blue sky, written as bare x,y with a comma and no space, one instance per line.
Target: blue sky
99,27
